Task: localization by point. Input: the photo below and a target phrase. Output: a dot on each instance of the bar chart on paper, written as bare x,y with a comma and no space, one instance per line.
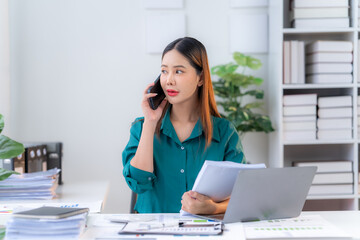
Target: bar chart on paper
312,226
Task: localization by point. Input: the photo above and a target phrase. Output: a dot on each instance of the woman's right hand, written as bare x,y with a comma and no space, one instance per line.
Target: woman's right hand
150,115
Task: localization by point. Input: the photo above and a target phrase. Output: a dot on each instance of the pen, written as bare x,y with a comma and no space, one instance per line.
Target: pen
198,223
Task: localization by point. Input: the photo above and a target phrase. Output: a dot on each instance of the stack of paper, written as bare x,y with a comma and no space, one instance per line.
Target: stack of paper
216,179
320,14
332,177
335,118
329,62
44,225
299,117
294,62
37,185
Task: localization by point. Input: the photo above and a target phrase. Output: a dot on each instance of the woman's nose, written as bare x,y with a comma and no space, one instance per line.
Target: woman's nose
170,79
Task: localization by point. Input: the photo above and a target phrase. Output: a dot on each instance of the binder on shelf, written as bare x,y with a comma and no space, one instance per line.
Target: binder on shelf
334,123
54,157
299,110
328,166
319,23
329,57
334,134
341,112
292,136
334,178
301,62
294,59
300,99
335,101
324,12
299,126
329,78
286,63
331,189
329,68
33,162
329,46
299,118
16,164
319,3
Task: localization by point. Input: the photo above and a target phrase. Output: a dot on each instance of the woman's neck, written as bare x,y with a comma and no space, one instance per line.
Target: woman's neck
185,112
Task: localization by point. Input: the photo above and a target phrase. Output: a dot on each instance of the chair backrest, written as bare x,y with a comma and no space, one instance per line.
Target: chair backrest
133,201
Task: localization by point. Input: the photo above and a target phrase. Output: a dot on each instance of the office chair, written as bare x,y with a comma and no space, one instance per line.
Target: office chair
132,202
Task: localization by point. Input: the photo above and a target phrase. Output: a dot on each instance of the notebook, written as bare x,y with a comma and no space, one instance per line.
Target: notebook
50,212
268,193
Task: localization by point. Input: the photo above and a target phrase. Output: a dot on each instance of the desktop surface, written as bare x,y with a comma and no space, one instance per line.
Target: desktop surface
347,221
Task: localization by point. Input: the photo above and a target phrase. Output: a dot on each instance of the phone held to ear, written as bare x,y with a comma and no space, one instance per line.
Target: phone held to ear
154,102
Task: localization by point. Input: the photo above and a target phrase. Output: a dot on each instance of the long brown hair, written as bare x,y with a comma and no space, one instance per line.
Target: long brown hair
195,52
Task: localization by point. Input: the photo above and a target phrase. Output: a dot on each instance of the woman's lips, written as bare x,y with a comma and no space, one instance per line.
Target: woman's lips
172,93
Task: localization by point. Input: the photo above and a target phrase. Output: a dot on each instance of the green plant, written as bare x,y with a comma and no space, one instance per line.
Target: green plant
8,149
232,87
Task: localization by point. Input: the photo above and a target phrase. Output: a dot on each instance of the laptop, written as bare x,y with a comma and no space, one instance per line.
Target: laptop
268,193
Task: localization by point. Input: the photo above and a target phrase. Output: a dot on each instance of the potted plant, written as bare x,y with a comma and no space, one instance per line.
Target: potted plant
232,87
8,149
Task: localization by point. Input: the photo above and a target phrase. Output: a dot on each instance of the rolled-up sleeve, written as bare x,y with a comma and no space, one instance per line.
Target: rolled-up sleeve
233,147
138,180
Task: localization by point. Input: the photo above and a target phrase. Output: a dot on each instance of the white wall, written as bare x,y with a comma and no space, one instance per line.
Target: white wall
4,64
79,68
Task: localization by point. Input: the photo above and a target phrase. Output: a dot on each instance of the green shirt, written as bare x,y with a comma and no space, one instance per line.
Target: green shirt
176,164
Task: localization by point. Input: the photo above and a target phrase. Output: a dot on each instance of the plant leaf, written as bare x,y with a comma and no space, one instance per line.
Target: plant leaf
9,148
240,59
1,123
258,94
4,173
258,81
253,63
254,105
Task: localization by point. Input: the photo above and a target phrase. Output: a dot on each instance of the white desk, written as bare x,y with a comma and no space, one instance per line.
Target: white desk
89,194
348,221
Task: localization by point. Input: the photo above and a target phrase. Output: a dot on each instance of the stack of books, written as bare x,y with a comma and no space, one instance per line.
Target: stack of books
329,62
26,186
299,119
332,177
335,118
47,223
320,14
294,62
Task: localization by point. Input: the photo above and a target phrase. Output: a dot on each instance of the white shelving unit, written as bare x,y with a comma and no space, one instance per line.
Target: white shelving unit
283,154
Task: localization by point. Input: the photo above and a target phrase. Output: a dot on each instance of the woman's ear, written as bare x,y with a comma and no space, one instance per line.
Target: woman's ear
201,79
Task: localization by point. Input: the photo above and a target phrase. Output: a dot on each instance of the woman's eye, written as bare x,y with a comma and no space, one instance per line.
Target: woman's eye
179,71
163,71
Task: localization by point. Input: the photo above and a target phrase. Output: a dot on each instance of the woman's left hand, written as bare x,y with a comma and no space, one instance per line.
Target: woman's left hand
196,203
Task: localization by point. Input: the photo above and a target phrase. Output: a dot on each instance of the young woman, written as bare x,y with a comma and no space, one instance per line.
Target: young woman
169,145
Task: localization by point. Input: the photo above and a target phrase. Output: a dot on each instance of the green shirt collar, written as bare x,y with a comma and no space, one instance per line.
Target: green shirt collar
168,129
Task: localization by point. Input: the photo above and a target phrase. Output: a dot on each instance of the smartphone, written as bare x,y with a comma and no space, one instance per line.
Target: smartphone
154,102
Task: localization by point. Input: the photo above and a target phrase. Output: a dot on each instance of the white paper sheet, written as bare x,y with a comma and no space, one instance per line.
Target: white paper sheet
311,226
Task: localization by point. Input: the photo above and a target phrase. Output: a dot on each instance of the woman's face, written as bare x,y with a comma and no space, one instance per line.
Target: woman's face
179,79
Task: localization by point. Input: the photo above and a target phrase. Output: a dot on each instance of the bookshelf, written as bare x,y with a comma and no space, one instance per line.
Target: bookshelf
284,153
